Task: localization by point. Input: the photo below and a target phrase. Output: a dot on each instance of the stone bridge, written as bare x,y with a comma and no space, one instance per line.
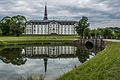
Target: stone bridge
91,42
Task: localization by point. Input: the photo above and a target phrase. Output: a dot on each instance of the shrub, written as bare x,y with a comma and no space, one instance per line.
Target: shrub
0,32
41,77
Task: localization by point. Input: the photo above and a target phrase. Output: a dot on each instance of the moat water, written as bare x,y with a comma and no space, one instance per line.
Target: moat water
49,61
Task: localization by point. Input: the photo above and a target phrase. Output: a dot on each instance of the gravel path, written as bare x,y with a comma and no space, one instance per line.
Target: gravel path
113,40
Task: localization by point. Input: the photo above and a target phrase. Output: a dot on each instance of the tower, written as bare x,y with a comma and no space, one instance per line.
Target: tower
45,13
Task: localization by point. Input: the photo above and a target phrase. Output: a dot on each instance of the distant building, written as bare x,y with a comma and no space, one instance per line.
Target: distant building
46,26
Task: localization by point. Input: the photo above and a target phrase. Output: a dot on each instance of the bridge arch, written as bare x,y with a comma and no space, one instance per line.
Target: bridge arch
89,44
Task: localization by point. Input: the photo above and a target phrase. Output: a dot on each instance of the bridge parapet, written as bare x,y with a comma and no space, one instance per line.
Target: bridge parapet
95,41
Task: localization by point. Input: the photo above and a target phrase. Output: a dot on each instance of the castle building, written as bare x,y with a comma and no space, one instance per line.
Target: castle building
45,26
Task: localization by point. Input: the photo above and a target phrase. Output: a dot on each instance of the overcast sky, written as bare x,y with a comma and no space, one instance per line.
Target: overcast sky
101,13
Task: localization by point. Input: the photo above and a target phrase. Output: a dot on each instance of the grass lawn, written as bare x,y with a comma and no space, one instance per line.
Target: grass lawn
104,66
39,38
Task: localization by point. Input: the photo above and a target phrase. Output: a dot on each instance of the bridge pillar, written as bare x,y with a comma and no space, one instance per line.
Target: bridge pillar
95,42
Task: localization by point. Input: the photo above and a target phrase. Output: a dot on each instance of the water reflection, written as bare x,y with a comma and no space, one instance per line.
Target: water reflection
56,59
12,55
83,53
50,52
18,56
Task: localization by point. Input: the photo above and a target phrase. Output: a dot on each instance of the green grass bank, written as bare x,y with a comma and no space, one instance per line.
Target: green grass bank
38,38
104,66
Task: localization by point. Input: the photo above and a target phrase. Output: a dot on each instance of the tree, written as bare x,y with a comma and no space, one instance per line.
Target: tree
95,32
5,25
13,25
92,32
19,24
99,31
87,32
82,25
116,30
108,32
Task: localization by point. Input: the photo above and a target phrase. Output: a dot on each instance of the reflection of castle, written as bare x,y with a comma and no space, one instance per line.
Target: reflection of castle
50,52
46,52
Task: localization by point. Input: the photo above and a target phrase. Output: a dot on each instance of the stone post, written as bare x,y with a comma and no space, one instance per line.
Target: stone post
83,37
101,42
91,37
116,37
87,37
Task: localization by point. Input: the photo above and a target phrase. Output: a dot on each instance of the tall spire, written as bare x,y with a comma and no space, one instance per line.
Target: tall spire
45,14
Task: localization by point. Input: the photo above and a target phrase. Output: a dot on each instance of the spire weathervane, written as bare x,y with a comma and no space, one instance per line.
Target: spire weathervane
45,14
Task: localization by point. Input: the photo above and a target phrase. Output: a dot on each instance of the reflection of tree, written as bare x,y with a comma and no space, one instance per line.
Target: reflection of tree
1,48
12,55
82,54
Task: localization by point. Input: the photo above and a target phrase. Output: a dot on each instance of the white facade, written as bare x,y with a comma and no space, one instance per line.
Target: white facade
43,27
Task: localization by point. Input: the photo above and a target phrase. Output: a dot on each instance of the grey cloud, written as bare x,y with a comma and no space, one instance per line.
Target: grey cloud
99,12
